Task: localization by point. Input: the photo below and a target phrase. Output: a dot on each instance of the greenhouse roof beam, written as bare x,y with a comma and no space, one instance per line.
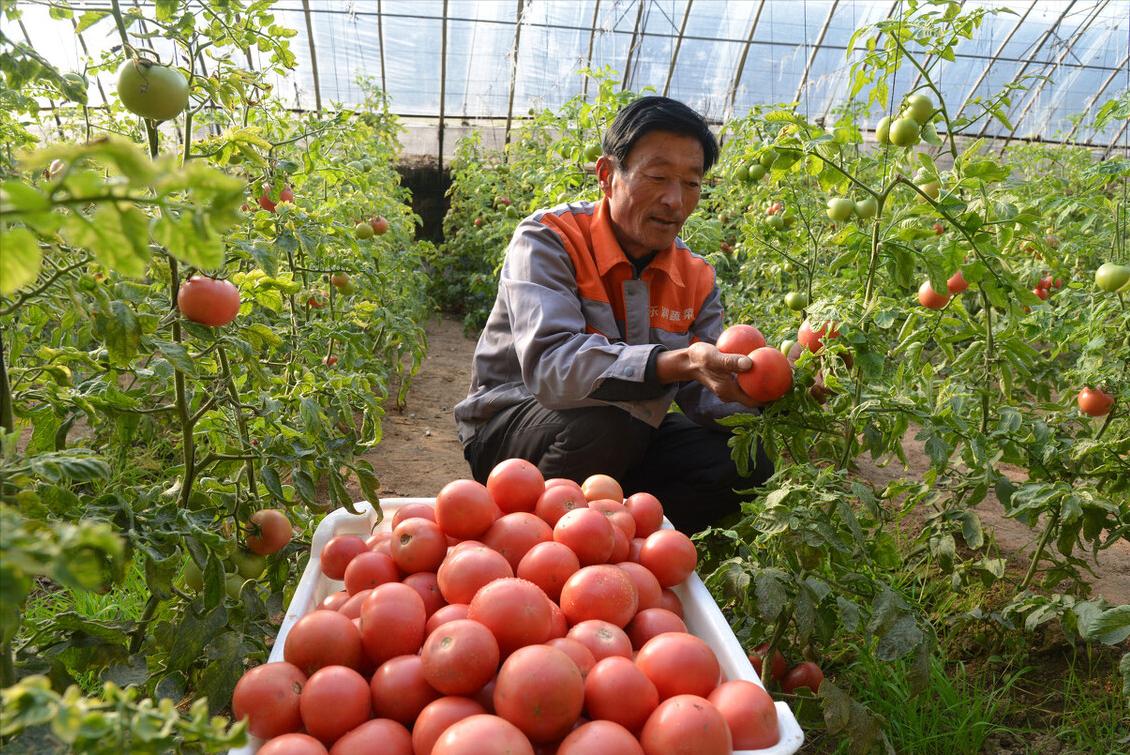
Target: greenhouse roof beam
313,55
1034,94
1039,46
588,58
741,61
995,58
633,46
513,71
1098,93
815,49
678,46
442,84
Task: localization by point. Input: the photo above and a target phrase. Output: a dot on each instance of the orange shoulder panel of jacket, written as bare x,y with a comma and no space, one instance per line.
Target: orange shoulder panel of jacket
574,229
678,294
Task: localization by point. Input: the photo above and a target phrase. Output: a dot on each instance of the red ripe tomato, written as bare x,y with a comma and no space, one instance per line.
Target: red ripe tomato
1094,402
379,735
513,535
679,664
334,601
427,585
460,657
621,546
557,501
465,509
549,565
329,360
467,569
634,549
392,622
602,639
1046,282
555,481
814,339
648,590
777,667
265,201
931,299
418,544
647,511
599,486
437,717
379,224
670,555
604,737
378,539
267,696
770,378
750,713
588,533
411,510
334,701
603,592
269,532
804,674
740,339
351,609
671,602
558,626
577,652
540,690
482,735
293,744
369,569
400,690
450,612
516,611
1040,292
320,639
337,554
617,513
208,301
515,485
957,283
616,690
652,622
686,725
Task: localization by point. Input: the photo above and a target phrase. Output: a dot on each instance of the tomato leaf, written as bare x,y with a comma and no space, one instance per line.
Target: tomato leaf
193,633
120,331
769,588
1110,627
21,260
1124,667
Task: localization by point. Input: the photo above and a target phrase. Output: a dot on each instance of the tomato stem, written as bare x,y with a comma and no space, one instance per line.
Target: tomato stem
1038,555
240,420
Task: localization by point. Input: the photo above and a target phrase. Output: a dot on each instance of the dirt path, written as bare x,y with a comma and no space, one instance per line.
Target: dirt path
421,453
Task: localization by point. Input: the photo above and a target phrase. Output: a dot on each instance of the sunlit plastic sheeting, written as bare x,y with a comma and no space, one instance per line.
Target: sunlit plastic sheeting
553,48
480,39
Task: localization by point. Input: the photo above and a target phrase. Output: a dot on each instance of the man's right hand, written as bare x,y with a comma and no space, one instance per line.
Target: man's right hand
703,362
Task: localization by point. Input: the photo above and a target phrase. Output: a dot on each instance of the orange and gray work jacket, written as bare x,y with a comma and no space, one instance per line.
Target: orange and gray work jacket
575,324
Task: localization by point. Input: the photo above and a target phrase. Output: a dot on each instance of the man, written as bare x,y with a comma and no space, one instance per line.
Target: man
603,318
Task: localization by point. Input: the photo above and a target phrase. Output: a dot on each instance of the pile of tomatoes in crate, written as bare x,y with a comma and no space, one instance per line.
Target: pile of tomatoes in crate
519,616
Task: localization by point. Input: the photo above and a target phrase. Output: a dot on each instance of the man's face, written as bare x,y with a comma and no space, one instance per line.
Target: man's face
653,194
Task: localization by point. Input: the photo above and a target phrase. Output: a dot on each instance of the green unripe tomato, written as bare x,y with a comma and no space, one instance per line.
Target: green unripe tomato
193,577
919,107
742,173
232,585
867,208
152,90
1111,277
768,157
905,132
840,209
354,165
756,171
787,346
776,222
593,153
931,189
883,130
363,230
796,301
789,220
248,565
366,164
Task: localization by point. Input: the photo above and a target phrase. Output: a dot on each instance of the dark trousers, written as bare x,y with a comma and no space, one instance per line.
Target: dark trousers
686,466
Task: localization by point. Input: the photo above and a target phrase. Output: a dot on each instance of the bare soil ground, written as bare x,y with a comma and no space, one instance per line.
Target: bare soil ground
421,453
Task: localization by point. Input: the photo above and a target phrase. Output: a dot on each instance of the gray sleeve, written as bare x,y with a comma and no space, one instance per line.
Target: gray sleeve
561,363
696,400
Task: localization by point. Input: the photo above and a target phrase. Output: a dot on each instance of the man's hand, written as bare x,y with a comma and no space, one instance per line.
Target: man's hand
705,363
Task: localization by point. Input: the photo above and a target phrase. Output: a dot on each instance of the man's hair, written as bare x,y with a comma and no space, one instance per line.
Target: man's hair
647,114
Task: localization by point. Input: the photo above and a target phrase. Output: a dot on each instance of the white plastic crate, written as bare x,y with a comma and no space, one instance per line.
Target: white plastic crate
700,613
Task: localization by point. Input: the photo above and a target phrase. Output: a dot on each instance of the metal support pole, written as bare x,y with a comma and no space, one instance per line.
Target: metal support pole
815,49
678,46
313,55
741,63
514,70
442,83
633,45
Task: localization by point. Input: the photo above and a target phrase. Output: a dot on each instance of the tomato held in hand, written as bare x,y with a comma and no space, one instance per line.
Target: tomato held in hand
208,301
740,339
770,378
